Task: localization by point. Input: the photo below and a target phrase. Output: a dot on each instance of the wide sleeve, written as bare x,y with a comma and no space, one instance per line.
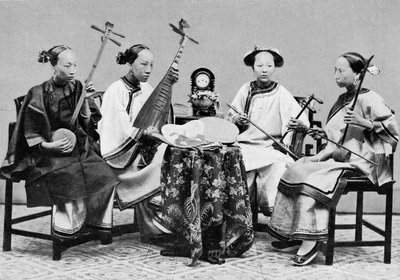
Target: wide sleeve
238,102
30,129
36,124
116,127
385,127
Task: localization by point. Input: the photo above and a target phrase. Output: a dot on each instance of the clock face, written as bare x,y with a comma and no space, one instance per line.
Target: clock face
202,80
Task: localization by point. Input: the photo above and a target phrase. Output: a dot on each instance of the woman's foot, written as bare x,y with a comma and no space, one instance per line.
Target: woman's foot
65,237
286,246
101,233
306,253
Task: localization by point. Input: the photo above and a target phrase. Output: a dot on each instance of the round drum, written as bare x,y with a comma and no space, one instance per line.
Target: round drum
64,133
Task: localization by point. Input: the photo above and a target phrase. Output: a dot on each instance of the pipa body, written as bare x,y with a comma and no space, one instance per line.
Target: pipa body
154,113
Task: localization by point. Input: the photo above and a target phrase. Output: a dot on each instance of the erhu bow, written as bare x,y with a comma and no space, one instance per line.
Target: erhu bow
311,131
155,110
280,146
63,132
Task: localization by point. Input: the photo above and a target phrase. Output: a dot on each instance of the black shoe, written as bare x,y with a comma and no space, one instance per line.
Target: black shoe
105,237
65,237
286,246
103,234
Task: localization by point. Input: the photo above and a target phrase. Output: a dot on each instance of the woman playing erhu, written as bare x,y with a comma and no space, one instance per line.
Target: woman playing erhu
312,185
272,107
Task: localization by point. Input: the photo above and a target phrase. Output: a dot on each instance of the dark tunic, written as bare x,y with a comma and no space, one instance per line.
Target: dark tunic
55,178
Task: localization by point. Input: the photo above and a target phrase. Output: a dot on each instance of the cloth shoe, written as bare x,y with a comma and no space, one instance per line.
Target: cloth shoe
301,260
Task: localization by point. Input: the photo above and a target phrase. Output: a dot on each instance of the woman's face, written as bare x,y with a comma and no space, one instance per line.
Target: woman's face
143,65
344,75
264,66
65,69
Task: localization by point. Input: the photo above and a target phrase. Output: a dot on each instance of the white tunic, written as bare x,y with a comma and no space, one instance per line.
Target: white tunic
116,130
271,111
116,126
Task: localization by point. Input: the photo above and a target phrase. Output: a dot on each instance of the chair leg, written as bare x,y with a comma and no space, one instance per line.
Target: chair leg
56,243
57,249
388,225
7,216
330,244
359,216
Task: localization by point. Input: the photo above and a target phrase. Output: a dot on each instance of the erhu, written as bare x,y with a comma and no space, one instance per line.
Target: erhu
155,110
67,133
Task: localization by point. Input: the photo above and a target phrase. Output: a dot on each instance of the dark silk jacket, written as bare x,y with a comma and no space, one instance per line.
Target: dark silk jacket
56,178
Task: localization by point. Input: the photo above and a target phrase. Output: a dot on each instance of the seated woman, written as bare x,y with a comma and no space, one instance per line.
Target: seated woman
270,106
122,102
312,185
73,178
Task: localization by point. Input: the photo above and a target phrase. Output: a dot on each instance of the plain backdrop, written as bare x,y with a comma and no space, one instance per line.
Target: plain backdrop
310,35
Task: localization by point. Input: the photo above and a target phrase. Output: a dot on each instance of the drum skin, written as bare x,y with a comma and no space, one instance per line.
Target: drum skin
64,133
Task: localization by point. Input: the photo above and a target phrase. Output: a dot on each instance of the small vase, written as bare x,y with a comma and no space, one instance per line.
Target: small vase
203,107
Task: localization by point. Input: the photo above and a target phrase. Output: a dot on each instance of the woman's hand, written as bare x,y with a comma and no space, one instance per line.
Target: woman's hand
90,89
317,132
62,146
296,124
352,117
175,74
241,119
150,130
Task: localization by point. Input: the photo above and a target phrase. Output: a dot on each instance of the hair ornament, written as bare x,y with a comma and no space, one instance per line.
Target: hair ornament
44,56
373,70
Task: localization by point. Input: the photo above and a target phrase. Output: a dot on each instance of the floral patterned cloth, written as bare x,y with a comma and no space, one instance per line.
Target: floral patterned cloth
207,188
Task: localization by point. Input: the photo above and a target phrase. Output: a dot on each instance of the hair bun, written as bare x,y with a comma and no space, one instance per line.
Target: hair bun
121,58
44,57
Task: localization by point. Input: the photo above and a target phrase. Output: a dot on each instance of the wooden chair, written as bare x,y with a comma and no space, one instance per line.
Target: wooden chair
8,230
58,245
361,185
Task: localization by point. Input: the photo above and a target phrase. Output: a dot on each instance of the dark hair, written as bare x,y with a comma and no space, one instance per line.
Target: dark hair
130,55
52,54
250,59
356,61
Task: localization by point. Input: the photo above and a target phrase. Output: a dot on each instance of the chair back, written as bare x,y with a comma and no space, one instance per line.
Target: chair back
18,103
